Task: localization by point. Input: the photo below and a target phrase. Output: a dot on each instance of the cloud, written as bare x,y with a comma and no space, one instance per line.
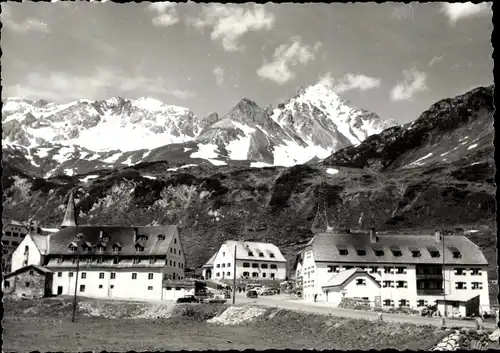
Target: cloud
59,86
285,56
219,75
29,24
458,11
350,82
166,14
435,60
414,82
402,12
230,22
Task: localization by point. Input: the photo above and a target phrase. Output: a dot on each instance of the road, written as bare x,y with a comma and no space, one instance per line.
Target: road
285,302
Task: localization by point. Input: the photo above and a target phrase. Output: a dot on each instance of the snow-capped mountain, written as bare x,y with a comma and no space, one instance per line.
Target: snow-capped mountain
85,135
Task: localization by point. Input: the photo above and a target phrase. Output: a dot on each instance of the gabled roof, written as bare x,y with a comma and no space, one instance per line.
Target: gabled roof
210,262
39,269
124,236
41,242
325,249
343,276
244,247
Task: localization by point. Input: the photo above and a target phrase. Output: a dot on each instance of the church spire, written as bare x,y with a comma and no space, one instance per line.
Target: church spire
70,215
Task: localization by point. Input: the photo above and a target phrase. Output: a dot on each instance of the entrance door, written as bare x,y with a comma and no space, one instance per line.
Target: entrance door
59,290
110,291
208,274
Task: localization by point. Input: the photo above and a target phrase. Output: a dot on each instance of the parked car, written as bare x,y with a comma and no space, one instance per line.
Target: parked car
188,299
267,292
252,294
214,300
227,295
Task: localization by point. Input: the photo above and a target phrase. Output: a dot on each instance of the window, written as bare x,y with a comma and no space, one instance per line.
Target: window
388,284
72,248
150,287
246,274
15,243
152,260
174,264
84,275
223,253
31,273
150,275
457,255
101,275
116,260
416,253
169,288
27,284
171,263
255,265
178,288
361,282
116,248
101,248
400,270
263,266
387,270
403,302
15,234
387,302
74,260
218,265
113,275
175,240
343,252
100,286
70,274
460,272
59,274
100,260
224,265
421,303
82,287
8,233
272,275
5,242
273,267
112,286
175,251
361,252
373,269
59,260
162,237
79,236
228,273
139,248
475,272
250,253
255,274
134,275
137,260
228,264
379,252
217,274
271,255
332,268
6,284
396,252
460,285
261,254
170,250
264,275
401,284
246,264
477,285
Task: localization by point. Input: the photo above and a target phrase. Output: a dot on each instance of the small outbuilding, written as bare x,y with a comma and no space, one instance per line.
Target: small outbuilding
459,305
31,281
175,289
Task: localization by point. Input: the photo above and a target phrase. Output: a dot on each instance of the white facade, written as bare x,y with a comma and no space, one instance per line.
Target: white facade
357,287
123,283
257,269
398,282
27,253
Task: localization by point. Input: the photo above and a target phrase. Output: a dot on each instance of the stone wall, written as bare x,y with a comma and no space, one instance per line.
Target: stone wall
30,284
464,339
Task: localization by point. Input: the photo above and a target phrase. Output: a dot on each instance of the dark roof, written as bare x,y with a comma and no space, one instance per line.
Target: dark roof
343,276
325,247
124,236
39,269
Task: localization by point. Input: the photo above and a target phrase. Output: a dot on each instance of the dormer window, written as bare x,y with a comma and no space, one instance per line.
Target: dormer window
250,253
456,253
415,252
433,251
342,250
101,248
361,252
116,260
100,260
86,249
378,252
261,254
139,247
396,251
161,237
137,260
152,260
143,237
117,248
72,247
105,238
271,255
59,259
79,236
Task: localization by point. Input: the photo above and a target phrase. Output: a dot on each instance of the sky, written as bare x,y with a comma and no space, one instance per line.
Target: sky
393,59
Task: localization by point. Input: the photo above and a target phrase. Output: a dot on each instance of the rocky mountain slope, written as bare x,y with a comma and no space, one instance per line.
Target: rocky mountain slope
383,182
85,136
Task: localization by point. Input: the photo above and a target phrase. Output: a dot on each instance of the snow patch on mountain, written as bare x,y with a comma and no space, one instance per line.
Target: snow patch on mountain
206,151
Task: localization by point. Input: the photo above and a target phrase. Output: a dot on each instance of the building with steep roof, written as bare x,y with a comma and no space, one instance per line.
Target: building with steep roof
30,281
412,271
111,261
257,261
208,268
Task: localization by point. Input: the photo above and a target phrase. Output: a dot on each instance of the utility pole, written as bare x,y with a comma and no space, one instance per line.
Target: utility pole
234,276
444,279
76,281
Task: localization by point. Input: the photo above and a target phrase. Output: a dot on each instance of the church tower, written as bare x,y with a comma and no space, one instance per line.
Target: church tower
70,214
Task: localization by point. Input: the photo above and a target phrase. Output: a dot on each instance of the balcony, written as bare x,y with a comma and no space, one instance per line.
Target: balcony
429,276
430,291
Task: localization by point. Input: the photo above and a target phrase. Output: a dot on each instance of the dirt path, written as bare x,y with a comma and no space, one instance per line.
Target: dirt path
323,308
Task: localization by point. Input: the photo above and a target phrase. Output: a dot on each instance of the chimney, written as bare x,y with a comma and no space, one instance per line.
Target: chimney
373,235
101,234
70,215
136,234
437,235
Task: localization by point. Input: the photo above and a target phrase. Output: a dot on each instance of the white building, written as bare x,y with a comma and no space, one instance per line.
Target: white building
411,271
118,262
257,261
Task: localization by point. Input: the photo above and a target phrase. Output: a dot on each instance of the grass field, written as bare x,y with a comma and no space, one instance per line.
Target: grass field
188,330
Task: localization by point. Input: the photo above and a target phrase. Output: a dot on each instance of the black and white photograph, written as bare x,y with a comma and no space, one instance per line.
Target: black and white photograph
231,176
